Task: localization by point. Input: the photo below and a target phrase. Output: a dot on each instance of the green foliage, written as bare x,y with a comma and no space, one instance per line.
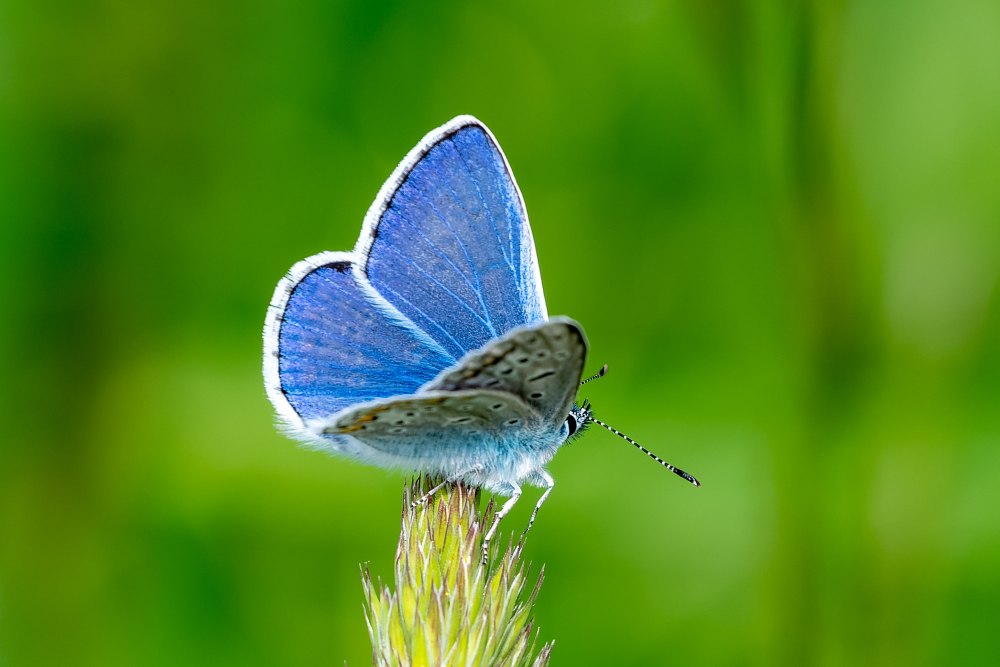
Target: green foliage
447,607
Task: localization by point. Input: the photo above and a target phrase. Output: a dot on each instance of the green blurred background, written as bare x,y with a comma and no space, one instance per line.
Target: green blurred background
778,222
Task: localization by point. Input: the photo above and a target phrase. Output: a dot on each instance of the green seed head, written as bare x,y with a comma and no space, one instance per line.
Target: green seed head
448,608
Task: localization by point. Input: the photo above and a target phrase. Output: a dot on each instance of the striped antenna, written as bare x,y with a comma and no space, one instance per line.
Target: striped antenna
598,374
675,470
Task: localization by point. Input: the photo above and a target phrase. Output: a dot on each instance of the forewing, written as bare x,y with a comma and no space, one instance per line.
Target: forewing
540,364
328,346
449,244
435,425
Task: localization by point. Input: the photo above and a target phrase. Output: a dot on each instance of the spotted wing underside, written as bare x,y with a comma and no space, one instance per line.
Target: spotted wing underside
541,364
520,386
435,425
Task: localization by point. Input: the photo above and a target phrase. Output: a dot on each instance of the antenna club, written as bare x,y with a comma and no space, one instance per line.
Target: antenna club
596,376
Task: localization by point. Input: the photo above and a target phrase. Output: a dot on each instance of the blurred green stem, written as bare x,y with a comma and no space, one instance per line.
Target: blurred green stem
446,607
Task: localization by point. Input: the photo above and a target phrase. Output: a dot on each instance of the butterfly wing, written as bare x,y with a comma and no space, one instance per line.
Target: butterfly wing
541,364
443,431
445,263
447,241
499,410
328,345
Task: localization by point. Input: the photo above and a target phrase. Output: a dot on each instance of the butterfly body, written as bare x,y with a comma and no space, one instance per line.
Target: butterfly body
428,347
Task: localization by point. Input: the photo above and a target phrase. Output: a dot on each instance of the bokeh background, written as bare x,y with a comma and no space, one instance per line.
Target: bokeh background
778,222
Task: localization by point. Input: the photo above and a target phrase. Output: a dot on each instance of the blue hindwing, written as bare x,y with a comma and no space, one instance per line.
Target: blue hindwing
336,347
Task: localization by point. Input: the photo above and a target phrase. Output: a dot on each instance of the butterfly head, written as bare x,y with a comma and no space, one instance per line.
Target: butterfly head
579,418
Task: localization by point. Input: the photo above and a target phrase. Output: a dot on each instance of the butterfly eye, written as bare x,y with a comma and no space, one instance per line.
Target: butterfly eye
571,425
577,420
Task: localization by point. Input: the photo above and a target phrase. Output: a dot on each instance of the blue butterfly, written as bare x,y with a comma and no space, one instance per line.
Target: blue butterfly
428,347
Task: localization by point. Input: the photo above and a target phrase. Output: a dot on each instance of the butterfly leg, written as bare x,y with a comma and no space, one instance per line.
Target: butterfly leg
427,496
515,494
451,479
546,479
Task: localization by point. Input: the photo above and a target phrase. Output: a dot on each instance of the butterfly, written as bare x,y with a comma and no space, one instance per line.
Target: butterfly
428,348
